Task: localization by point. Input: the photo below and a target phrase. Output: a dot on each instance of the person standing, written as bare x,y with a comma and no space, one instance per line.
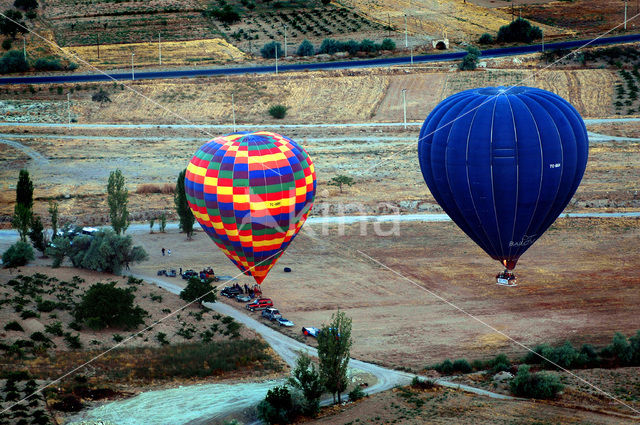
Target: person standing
169,252
163,251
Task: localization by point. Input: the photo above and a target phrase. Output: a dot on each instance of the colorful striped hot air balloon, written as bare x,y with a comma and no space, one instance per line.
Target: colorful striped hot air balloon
251,193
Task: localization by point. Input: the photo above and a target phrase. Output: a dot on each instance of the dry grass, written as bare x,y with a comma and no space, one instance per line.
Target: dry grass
192,52
155,188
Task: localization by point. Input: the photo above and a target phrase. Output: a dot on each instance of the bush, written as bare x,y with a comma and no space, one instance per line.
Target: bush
13,61
226,14
356,393
54,328
198,290
388,44
269,50
73,342
278,111
6,44
470,61
422,384
305,48
162,338
18,254
486,38
329,46
104,305
46,306
519,30
13,326
445,368
500,363
620,349
462,366
48,64
278,407
26,4
535,385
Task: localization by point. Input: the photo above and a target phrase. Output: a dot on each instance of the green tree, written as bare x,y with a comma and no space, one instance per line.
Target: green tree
486,38
117,199
278,407
101,97
151,222
519,30
53,214
163,221
388,44
12,23
24,189
21,220
341,180
305,48
182,207
470,61
334,347
196,289
269,50
535,385
104,305
60,247
306,378
105,251
26,4
37,235
18,254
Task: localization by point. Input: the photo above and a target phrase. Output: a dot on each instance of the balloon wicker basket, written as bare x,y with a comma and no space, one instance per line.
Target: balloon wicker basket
506,278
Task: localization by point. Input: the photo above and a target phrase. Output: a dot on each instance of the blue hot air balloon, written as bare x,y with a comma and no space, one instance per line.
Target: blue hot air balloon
503,163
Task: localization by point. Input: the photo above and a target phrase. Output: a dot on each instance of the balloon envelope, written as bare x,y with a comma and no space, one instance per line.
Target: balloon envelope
251,193
503,164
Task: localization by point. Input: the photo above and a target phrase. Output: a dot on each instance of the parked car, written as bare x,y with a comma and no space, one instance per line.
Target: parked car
285,322
162,272
271,313
231,291
188,274
259,304
310,331
242,298
171,273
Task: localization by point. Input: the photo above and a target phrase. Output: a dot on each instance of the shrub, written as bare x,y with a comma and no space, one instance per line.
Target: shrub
486,38
519,30
356,393
46,306
445,368
535,385
162,338
48,64
73,341
470,61
117,337
26,4
368,46
500,363
278,111
105,305
269,50
620,348
105,251
13,61
226,14
101,97
69,403
28,314
54,328
422,384
278,407
6,44
462,366
329,46
13,326
18,254
305,48
198,290
388,44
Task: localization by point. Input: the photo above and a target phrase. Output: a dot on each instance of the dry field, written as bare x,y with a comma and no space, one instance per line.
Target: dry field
211,51
460,21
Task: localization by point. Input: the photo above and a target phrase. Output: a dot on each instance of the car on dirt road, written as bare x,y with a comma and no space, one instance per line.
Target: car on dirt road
231,291
310,331
285,322
188,274
259,304
271,313
243,298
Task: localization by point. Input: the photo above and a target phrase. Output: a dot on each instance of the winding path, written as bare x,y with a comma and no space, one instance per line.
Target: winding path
35,156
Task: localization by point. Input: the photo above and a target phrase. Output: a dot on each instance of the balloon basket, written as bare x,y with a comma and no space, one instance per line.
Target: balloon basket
506,278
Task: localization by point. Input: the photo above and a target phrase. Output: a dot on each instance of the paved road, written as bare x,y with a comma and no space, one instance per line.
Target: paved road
366,63
289,349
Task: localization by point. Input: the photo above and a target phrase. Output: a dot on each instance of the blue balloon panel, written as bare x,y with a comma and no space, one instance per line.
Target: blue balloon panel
503,164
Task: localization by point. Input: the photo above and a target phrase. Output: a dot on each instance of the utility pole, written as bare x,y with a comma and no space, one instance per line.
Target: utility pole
276,47
389,26
625,14
98,44
159,49
406,37
233,111
285,40
543,41
69,109
404,106
412,55
133,74
24,47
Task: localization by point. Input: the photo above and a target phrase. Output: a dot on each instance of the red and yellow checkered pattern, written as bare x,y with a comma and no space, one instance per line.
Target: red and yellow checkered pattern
251,193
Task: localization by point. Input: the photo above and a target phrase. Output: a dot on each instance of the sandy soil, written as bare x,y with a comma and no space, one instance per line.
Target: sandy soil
440,406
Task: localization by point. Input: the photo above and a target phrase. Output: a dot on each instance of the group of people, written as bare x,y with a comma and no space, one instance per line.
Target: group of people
168,251
252,292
